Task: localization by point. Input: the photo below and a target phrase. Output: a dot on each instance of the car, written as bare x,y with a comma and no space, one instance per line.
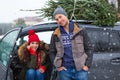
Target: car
106,54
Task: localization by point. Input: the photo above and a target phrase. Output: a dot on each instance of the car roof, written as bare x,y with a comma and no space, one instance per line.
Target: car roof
39,27
50,26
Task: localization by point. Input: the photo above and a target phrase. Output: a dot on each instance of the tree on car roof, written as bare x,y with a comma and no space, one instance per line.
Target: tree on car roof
98,10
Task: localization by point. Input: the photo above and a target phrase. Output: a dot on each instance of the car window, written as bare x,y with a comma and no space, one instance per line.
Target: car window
99,39
114,42
104,40
44,36
6,45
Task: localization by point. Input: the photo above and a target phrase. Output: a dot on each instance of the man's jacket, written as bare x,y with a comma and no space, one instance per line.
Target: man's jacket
81,48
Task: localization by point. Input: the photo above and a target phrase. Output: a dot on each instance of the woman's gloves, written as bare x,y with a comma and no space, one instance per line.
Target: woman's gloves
31,51
42,69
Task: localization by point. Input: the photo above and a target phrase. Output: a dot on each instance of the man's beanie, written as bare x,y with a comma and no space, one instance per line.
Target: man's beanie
59,10
32,37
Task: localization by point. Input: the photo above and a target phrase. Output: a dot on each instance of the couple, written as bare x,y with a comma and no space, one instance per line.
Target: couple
70,51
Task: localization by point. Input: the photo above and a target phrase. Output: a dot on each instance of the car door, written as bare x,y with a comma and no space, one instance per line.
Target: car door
106,57
6,47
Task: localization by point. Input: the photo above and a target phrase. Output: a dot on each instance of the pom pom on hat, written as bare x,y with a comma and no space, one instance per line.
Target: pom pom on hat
32,37
31,32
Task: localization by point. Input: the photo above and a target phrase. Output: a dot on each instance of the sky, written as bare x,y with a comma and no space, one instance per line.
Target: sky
10,9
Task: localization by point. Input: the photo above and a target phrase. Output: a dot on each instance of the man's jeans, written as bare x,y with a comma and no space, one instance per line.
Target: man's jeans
32,74
73,74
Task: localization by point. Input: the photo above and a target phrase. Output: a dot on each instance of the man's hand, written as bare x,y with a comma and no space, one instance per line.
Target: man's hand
85,68
61,68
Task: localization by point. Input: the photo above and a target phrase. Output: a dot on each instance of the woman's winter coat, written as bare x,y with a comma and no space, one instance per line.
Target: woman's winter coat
30,61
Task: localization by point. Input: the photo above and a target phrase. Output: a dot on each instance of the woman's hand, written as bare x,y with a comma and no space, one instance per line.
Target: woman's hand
32,51
42,70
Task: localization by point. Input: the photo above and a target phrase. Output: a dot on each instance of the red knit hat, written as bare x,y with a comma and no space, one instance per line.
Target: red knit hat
32,37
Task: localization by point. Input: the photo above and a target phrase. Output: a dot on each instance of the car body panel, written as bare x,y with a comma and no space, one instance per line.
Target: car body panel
103,68
106,56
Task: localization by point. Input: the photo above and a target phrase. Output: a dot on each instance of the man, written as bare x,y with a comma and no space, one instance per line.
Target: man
70,48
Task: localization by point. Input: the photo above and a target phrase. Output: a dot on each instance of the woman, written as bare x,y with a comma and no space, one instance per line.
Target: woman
33,59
